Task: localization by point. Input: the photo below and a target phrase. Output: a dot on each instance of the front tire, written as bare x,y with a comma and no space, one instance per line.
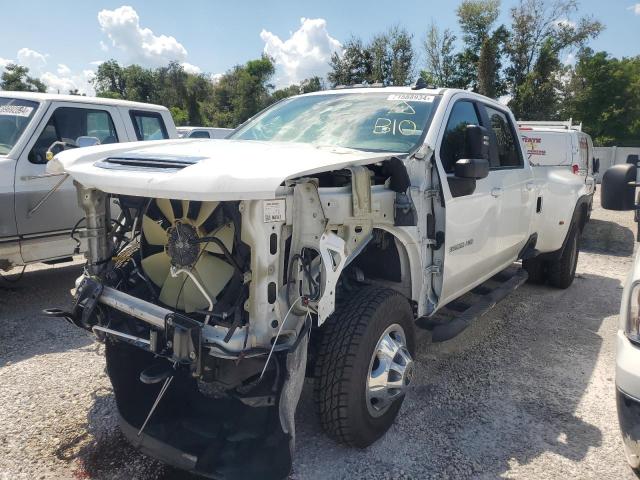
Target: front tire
363,366
562,272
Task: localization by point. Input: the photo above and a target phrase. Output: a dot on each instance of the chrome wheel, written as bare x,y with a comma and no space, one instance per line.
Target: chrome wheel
390,370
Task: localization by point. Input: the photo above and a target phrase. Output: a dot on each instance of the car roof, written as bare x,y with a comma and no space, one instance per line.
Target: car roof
51,97
445,92
354,89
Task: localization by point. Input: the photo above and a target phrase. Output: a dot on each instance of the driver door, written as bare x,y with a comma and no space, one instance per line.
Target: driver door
471,218
63,121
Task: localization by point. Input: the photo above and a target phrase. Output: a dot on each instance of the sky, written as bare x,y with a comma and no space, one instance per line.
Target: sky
63,42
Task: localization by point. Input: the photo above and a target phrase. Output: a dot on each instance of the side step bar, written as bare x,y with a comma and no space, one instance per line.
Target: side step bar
446,329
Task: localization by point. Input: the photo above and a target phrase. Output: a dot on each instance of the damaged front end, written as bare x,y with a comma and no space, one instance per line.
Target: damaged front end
204,347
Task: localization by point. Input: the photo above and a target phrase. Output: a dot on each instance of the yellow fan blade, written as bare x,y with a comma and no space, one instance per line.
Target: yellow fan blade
157,267
206,209
225,234
153,233
171,290
167,210
185,208
214,273
193,297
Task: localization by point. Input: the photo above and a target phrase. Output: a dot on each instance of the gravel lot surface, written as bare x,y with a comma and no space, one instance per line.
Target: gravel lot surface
526,392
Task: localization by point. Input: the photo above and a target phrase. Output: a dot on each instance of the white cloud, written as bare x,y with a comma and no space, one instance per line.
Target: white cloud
304,54
189,68
34,61
63,70
215,77
141,45
65,80
570,59
565,23
635,8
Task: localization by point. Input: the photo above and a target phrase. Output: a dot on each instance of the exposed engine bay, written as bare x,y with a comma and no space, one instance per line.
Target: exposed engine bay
206,309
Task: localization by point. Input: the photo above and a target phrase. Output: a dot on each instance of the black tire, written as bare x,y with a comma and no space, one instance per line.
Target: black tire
536,269
562,272
349,339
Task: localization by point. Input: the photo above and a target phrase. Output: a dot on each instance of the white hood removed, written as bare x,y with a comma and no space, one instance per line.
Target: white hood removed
202,169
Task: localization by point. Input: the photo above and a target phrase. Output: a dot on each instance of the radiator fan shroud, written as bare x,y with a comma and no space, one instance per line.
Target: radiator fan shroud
171,230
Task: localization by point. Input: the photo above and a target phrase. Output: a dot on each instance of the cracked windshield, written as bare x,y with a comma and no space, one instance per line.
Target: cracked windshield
381,122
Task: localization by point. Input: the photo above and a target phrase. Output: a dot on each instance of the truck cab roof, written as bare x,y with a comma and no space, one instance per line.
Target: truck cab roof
53,97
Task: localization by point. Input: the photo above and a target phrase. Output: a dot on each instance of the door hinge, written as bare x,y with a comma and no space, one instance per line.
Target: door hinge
430,193
434,269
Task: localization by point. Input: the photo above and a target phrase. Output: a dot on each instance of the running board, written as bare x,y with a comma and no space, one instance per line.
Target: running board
445,328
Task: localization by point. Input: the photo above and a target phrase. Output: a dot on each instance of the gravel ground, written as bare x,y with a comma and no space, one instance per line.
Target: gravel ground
526,392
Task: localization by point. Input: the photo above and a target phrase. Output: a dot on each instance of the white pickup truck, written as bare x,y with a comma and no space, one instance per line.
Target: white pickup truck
312,241
39,210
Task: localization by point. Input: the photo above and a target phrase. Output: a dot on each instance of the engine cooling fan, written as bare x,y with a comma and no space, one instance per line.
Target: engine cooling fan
172,230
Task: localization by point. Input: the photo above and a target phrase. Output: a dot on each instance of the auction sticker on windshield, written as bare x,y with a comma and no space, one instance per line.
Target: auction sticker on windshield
411,97
16,110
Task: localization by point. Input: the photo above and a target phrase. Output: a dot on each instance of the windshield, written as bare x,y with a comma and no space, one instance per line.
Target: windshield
379,121
15,115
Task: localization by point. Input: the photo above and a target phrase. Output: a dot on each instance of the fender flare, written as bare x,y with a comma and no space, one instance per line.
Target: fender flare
578,220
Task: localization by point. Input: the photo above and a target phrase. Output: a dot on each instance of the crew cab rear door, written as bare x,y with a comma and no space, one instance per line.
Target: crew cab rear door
471,218
513,183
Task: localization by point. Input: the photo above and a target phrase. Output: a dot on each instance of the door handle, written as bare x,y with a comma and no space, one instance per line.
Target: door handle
529,186
496,192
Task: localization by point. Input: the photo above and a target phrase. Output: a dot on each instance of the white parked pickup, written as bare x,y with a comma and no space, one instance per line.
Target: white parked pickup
311,240
38,210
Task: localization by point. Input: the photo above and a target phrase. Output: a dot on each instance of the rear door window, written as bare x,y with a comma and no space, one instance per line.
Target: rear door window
508,153
66,124
148,125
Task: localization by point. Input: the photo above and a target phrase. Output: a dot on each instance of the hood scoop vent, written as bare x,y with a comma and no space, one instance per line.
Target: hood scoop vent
146,164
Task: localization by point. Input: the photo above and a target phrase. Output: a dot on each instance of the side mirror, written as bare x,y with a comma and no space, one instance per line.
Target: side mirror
475,168
619,187
87,141
476,142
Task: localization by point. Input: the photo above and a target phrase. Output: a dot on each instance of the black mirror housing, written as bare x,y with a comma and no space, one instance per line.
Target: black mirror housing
475,168
619,187
476,142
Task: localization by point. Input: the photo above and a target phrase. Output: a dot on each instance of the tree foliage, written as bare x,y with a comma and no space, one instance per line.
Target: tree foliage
540,32
441,62
387,58
194,99
604,94
16,78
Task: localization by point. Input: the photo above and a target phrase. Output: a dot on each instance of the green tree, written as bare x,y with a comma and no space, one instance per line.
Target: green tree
241,93
537,97
16,78
109,80
353,66
476,19
604,94
441,66
540,31
400,56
